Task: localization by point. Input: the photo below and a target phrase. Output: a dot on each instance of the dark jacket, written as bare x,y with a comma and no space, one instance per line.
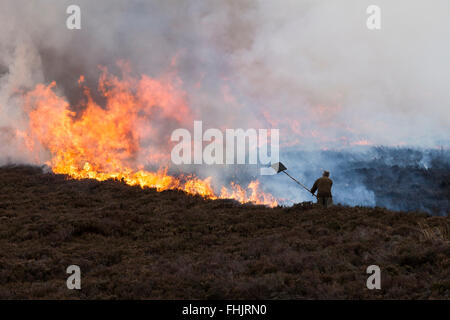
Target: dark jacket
323,187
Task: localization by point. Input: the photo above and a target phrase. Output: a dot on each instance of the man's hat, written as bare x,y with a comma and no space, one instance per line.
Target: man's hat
326,173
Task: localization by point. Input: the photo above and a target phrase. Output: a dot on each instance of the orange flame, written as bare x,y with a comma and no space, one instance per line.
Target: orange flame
108,143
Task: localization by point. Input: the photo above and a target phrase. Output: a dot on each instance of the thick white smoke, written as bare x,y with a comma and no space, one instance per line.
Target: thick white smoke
316,62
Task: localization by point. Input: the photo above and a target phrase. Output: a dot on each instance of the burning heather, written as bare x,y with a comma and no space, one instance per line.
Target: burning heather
105,142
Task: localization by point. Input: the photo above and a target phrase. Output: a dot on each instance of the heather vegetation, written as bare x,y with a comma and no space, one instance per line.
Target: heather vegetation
134,243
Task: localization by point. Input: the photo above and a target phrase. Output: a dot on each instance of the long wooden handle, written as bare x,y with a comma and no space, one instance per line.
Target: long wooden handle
299,183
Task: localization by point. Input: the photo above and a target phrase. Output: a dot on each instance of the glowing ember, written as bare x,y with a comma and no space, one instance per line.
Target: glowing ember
107,143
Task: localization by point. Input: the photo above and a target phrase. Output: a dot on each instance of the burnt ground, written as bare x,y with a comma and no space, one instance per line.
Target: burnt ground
140,244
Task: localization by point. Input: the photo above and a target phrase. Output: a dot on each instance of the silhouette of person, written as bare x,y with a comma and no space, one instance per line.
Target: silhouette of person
323,187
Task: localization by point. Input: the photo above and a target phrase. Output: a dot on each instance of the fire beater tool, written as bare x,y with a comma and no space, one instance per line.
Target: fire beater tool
279,167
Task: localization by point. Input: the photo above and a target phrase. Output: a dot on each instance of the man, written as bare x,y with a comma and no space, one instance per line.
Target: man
323,187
